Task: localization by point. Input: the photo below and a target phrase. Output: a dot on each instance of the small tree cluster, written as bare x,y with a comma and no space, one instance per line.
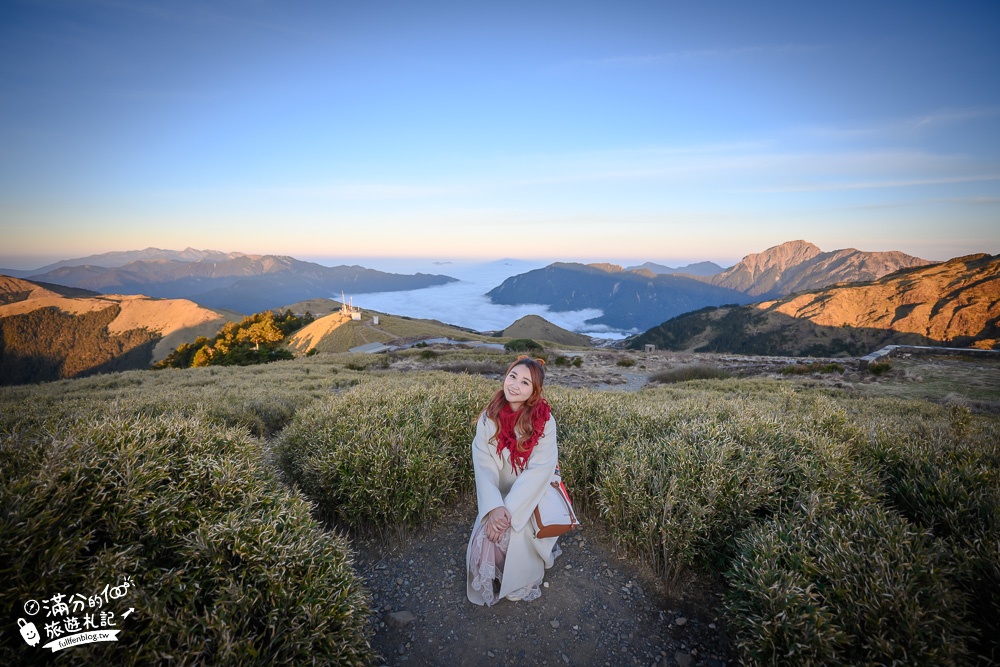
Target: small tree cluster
255,340
522,345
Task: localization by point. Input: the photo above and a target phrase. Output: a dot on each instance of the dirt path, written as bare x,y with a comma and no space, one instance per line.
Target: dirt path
595,609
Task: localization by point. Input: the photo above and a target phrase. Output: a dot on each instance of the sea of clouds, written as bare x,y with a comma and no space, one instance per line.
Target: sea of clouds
464,303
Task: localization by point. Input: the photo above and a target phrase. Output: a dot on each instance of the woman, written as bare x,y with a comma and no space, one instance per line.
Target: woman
514,456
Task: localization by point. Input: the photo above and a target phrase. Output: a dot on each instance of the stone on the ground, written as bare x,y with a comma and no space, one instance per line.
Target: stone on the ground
401,618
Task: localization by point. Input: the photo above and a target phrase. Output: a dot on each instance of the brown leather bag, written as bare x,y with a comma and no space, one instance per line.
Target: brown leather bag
554,514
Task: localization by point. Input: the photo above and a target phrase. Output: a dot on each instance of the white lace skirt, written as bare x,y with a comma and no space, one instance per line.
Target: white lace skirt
486,563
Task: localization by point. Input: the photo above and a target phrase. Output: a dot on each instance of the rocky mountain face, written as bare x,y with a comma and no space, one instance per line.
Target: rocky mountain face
48,332
628,299
634,298
798,266
242,283
954,303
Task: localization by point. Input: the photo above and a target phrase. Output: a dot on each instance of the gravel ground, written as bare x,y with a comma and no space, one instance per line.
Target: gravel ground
595,609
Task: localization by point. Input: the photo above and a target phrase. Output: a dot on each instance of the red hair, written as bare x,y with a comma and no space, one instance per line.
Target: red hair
523,428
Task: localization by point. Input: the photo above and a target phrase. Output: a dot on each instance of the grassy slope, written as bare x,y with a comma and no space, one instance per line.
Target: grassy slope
540,329
333,334
738,450
937,378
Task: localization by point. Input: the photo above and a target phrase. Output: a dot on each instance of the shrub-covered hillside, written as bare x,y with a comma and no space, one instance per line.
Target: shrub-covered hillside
845,530
48,344
239,344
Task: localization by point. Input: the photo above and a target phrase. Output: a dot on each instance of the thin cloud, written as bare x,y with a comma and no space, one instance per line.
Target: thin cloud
368,191
756,166
900,126
758,163
965,201
535,170
871,185
954,116
675,57
972,201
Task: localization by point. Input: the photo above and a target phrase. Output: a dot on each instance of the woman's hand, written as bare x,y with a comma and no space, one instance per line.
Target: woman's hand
497,522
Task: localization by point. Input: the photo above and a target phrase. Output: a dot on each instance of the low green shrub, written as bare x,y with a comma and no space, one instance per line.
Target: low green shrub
226,564
857,586
260,411
590,426
367,362
522,345
946,479
475,367
813,367
676,500
880,367
386,455
680,497
678,475
626,362
687,373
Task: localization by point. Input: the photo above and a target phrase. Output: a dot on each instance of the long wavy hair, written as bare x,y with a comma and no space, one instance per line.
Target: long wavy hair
523,426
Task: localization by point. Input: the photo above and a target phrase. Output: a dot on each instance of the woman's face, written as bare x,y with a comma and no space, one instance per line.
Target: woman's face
517,386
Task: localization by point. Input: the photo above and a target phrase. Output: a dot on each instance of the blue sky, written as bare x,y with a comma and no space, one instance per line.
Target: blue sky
622,131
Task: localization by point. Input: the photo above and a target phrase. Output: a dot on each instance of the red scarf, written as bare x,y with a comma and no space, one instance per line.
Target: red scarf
507,437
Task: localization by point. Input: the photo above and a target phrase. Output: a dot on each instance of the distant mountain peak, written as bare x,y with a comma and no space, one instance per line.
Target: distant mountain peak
698,269
952,303
799,265
119,258
781,256
607,267
628,300
537,327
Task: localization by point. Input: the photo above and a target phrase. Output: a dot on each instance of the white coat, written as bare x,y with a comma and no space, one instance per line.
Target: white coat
496,484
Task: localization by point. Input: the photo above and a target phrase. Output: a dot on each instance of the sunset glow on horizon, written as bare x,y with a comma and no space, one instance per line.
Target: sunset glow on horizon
574,131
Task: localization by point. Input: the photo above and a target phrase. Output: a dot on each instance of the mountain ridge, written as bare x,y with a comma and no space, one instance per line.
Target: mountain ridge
118,258
796,266
240,282
628,300
953,303
46,335
634,299
702,269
